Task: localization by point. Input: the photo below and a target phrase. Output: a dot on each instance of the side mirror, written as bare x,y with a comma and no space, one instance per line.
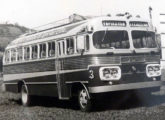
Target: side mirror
80,43
89,29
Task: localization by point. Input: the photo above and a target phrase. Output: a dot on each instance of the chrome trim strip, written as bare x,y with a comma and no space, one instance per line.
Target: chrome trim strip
31,83
76,82
36,83
10,83
152,62
130,73
102,65
100,89
9,77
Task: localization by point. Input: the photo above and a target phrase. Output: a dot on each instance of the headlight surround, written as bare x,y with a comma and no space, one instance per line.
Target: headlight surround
153,70
110,73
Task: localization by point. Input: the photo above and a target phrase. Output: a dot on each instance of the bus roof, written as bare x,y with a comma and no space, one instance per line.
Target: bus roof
71,21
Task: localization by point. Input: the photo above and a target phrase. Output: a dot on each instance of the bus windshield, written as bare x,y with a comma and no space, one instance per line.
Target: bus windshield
143,39
114,39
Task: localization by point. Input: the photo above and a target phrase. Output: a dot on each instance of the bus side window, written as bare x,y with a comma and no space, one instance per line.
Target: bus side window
42,50
13,55
59,49
7,56
51,49
70,46
64,47
34,52
87,43
26,53
19,54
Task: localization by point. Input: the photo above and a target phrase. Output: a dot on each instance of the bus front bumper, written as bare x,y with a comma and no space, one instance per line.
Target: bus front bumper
130,86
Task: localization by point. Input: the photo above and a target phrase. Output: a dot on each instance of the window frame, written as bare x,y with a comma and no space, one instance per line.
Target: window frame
110,46
42,50
135,43
70,46
34,53
50,47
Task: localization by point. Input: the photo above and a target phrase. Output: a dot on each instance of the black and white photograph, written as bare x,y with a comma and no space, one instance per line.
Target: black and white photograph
82,60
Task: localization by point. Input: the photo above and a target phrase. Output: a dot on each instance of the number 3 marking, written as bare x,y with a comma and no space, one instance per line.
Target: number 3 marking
91,76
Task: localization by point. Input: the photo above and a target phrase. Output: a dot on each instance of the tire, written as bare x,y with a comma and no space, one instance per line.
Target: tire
25,97
84,101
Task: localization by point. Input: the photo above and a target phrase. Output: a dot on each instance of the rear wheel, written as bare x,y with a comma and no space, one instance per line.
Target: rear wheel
25,97
84,101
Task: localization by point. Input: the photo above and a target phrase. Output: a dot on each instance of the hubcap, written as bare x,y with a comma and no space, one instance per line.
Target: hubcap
24,95
83,98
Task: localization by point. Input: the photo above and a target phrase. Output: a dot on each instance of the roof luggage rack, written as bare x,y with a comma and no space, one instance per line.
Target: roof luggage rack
72,19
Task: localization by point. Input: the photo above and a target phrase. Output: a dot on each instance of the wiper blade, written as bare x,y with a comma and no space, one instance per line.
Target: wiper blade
104,35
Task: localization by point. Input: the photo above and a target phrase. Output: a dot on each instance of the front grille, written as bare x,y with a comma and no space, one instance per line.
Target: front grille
141,59
132,73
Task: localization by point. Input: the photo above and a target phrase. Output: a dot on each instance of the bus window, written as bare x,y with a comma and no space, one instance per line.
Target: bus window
34,52
7,56
117,39
19,54
13,55
70,46
26,53
42,50
51,49
143,39
63,46
87,43
59,49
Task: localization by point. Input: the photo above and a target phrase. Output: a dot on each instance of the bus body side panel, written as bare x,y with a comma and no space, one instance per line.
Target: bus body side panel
42,86
77,69
30,67
11,86
39,76
47,85
34,89
43,89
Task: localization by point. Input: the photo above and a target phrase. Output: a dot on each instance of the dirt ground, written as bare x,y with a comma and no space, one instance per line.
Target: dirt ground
146,107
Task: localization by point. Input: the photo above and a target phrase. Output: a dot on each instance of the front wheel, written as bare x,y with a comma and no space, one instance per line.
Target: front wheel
25,97
84,101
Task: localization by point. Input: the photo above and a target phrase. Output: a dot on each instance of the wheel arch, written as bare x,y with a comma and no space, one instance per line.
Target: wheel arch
20,83
76,87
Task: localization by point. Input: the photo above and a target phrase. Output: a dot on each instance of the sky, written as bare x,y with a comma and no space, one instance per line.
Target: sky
33,13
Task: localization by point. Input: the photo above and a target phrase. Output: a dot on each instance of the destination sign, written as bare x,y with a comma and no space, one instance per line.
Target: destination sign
138,24
114,23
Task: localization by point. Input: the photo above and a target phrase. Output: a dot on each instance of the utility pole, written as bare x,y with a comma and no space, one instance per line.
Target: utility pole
150,12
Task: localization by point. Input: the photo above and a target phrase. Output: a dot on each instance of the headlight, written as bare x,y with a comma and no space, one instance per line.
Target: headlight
110,73
153,70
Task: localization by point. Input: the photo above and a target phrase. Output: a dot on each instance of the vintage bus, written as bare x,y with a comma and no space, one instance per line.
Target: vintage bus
82,57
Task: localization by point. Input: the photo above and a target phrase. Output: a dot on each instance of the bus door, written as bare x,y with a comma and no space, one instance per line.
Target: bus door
63,89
